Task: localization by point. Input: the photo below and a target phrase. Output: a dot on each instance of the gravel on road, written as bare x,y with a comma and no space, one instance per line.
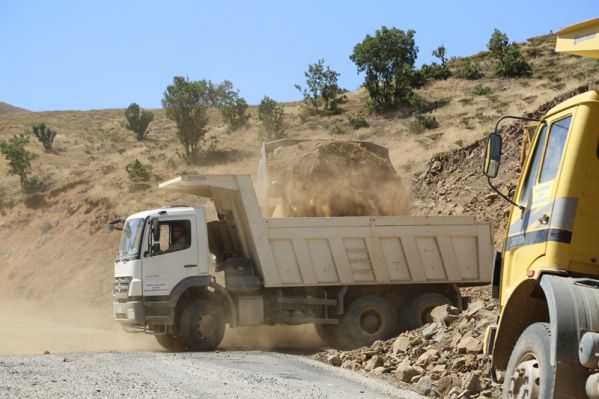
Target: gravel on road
184,375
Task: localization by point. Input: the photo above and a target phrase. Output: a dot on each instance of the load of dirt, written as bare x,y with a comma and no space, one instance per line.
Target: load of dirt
441,359
336,178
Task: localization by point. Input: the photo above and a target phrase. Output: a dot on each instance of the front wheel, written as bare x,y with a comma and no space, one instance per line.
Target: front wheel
170,342
529,373
202,325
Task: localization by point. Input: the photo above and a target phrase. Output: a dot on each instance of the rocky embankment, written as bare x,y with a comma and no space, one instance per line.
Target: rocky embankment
441,359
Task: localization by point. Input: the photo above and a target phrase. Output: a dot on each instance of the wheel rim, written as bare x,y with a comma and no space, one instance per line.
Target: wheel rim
207,326
525,381
370,321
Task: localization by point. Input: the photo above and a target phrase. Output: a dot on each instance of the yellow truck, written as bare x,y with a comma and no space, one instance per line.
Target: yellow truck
546,340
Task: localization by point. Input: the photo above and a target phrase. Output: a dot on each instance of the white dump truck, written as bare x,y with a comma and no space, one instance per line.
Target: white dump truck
358,279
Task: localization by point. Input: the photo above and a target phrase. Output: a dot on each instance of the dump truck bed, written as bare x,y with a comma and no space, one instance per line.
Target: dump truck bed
346,250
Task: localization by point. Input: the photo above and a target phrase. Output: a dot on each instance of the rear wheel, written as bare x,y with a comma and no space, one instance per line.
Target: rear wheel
529,374
368,319
170,342
202,325
417,311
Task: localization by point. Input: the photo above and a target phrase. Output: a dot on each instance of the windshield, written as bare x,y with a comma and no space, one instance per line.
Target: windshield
131,237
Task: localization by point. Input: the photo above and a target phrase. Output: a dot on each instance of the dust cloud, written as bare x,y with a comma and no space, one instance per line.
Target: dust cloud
335,178
34,327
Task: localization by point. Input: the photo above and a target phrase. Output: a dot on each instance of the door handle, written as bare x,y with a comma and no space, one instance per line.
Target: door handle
190,266
544,219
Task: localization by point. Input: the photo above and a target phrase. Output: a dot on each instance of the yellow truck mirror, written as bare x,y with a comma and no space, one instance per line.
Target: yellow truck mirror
492,155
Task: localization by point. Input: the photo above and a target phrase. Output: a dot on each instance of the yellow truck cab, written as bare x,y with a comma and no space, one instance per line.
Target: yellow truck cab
547,278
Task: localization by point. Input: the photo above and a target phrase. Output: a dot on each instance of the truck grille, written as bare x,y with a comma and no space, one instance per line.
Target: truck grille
121,285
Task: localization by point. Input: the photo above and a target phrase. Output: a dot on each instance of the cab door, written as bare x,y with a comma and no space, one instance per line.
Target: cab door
168,261
529,227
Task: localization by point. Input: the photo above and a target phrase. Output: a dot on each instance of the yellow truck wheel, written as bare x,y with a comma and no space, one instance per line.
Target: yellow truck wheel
529,374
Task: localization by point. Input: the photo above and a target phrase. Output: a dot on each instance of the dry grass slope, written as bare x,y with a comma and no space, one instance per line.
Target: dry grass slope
52,243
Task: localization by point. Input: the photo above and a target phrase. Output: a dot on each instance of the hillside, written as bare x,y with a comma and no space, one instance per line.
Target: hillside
6,108
53,249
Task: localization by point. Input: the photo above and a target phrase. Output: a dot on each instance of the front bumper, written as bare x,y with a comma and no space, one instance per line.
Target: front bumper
129,313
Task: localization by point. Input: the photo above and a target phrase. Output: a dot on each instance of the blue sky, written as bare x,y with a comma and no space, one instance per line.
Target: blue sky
58,55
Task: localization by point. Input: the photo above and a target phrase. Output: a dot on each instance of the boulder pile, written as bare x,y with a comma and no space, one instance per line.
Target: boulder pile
442,359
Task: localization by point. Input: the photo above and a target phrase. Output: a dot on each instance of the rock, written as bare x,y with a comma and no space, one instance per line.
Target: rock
471,383
445,384
424,385
474,308
431,329
400,345
46,352
405,372
374,362
335,360
377,346
470,345
445,314
378,371
428,356
350,365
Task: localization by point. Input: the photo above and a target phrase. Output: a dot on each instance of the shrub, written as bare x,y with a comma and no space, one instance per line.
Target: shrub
322,94
271,116
388,59
481,90
45,226
44,135
469,70
186,102
357,121
138,172
19,159
337,129
507,59
138,120
436,71
232,106
422,122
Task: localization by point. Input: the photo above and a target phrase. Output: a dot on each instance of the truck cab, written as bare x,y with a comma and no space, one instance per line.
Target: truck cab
150,263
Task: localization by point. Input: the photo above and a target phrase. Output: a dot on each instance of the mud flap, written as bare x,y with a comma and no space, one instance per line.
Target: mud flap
573,310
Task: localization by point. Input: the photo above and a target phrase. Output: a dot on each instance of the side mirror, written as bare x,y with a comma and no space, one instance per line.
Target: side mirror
156,230
492,155
108,227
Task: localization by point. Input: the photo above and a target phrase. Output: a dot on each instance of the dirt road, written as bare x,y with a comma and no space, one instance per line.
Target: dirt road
184,375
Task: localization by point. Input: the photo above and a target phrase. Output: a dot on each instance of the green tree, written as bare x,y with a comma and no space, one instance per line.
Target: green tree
507,59
19,159
322,93
232,106
271,116
44,135
138,120
388,59
186,102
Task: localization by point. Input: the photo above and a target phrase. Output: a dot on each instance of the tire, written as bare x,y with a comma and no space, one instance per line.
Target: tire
417,311
367,319
170,342
530,361
202,325
327,332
